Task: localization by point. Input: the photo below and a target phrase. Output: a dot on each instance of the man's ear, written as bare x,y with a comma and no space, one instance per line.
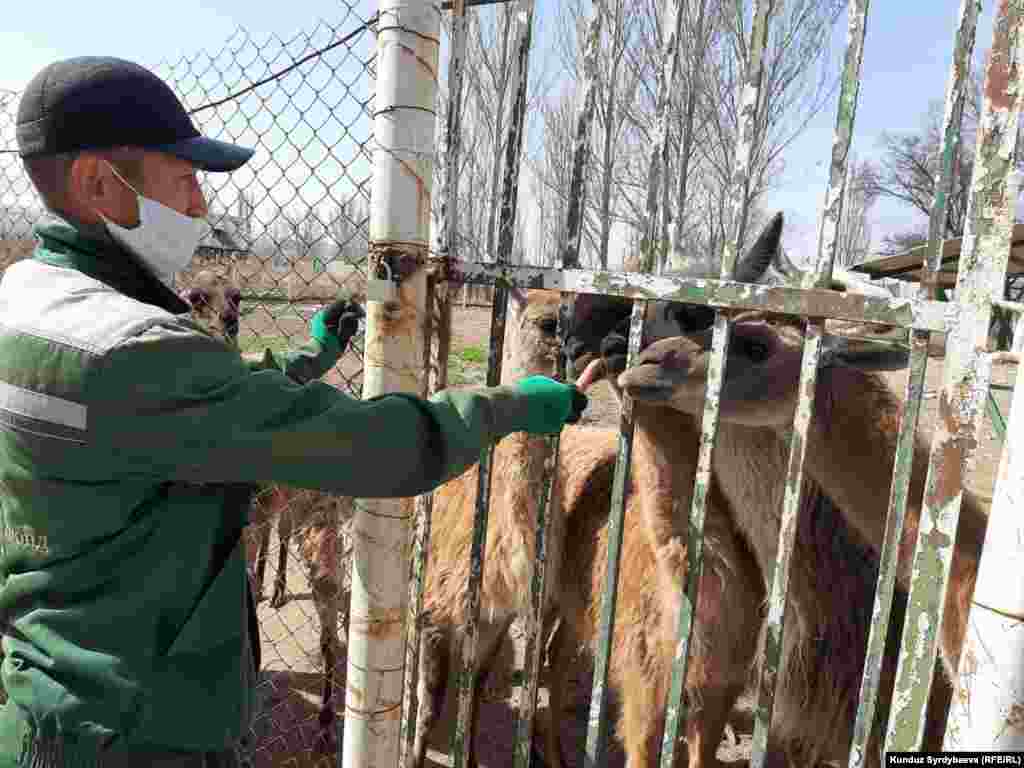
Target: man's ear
93,189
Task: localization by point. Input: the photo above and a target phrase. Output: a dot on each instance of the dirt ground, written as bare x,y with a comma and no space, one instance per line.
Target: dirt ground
286,732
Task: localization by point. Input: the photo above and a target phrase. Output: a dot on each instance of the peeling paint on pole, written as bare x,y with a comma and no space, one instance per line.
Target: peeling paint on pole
739,182
847,112
406,85
657,163
955,97
778,577
771,658
570,246
596,752
981,276
676,711
988,710
499,310
448,241
896,311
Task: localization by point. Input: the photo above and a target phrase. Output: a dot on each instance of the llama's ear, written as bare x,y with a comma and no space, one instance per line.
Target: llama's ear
764,251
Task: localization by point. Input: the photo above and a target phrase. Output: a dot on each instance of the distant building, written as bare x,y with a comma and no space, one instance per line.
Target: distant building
228,237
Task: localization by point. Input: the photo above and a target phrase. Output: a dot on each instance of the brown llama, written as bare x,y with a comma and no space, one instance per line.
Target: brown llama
832,573
641,663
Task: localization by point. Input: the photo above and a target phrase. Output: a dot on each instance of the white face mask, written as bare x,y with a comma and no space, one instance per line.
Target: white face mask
164,239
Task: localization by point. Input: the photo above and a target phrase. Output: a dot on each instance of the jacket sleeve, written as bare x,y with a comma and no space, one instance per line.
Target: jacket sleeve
172,404
306,363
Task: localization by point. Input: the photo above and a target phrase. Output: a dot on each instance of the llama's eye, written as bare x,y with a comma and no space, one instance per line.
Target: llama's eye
756,351
548,325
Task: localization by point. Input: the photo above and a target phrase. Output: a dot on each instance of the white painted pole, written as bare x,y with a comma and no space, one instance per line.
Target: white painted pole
988,709
408,33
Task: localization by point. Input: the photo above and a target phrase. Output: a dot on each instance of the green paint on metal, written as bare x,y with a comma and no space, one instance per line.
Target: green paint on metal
676,710
509,199
778,573
570,249
828,235
996,416
981,276
535,617
955,97
657,163
595,755
739,182
889,553
900,312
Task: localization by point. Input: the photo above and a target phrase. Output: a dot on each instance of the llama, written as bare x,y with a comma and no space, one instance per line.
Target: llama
864,504
587,456
645,643
832,571
531,347
215,305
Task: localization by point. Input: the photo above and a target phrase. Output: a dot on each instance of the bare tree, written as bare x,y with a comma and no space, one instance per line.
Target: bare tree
347,228
854,236
911,161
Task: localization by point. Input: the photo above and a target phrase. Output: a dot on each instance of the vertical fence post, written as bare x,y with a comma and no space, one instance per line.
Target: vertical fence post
980,278
408,34
987,713
778,578
955,97
438,323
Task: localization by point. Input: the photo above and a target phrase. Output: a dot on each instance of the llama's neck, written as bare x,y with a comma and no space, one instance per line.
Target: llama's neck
665,444
750,465
851,450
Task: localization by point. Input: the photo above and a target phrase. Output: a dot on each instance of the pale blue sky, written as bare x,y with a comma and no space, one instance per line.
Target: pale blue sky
906,64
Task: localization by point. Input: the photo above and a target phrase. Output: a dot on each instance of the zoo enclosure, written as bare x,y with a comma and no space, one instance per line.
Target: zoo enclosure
359,156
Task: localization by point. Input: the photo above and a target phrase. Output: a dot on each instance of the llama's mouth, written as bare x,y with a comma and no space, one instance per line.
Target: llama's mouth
646,383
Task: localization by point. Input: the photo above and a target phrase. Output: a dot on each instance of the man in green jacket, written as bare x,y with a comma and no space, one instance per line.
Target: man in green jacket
130,440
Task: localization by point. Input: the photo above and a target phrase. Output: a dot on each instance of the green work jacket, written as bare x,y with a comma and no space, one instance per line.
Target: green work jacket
130,442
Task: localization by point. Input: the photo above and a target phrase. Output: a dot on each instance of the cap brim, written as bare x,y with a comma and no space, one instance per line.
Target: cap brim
209,154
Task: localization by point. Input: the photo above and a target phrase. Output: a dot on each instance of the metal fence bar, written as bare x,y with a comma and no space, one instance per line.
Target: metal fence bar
570,246
595,755
991,673
770,677
399,231
461,747
449,244
981,276
898,312
919,340
676,710
533,620
657,162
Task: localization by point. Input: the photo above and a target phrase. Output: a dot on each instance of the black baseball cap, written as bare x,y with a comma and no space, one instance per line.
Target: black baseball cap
99,102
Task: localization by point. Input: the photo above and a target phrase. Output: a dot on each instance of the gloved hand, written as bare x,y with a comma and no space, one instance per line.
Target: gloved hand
551,404
338,320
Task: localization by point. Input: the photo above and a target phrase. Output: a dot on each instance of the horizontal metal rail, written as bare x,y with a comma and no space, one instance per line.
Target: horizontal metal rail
723,294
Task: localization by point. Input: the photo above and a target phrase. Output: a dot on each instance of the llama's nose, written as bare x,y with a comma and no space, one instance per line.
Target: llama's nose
667,357
613,344
575,348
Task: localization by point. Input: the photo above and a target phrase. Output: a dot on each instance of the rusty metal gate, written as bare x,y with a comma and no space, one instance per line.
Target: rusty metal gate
408,44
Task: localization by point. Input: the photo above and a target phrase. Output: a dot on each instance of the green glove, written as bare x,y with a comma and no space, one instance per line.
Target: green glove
551,404
336,323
